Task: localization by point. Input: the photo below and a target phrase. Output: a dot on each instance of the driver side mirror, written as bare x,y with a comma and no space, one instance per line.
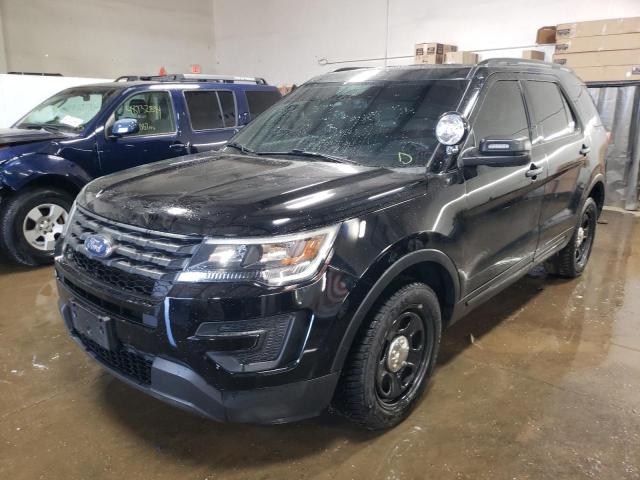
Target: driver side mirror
123,127
498,152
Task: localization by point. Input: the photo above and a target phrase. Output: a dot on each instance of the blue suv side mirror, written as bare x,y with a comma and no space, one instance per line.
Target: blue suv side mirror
124,126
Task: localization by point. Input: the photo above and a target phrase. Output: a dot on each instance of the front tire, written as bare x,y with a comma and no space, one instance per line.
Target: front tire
391,359
30,223
571,261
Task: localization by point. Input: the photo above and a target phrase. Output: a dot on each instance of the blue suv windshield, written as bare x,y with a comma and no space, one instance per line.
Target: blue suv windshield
69,110
389,124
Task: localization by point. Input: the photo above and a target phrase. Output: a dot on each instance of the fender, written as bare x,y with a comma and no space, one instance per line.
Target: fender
412,258
20,171
596,177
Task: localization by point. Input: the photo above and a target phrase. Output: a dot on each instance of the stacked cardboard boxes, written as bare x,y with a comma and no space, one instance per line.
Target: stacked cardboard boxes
600,50
533,55
464,58
432,53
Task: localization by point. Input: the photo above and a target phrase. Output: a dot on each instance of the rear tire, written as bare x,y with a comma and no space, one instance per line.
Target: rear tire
30,222
571,261
391,359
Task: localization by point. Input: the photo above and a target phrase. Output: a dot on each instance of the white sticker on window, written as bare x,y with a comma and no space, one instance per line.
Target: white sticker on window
71,121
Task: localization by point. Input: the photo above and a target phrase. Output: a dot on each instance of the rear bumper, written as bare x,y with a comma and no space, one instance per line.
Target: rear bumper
178,385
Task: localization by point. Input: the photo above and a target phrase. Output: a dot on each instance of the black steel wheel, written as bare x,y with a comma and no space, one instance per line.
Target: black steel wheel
571,261
403,359
391,359
584,237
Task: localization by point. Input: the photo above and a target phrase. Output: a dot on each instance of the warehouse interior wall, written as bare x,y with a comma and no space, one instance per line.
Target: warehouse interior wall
105,38
285,39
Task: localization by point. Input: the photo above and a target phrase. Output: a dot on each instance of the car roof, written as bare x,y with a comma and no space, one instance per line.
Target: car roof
395,73
441,72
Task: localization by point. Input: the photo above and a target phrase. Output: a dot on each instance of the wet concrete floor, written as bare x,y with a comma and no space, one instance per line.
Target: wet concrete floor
542,382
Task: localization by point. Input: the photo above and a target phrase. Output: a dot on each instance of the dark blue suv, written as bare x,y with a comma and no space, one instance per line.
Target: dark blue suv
85,132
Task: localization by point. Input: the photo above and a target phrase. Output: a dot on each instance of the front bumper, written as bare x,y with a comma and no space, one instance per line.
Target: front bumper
178,369
180,386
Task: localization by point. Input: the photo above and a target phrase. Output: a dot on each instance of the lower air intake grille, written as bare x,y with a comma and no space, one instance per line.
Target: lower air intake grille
125,361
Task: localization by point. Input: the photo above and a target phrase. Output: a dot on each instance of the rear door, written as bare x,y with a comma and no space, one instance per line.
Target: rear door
157,139
212,118
499,228
557,130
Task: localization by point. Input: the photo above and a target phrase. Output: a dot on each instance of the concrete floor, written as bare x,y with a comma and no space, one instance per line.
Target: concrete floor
543,382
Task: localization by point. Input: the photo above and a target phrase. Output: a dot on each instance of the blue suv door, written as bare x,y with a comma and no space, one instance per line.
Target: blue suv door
159,137
212,117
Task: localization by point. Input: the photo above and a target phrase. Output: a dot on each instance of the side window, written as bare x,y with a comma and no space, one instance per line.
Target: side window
551,111
153,110
502,113
228,108
259,101
204,109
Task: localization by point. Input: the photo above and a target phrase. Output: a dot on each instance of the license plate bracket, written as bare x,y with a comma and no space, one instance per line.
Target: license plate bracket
95,327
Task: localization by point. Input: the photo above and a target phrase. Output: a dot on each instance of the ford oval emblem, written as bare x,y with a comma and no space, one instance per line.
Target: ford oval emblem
98,246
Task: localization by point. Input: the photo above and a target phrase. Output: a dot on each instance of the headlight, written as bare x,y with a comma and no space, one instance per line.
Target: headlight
272,261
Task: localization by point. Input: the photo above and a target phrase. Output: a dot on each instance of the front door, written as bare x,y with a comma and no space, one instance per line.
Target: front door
157,139
500,224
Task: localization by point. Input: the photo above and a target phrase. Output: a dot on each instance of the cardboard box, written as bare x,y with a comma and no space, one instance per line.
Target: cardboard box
624,41
533,55
432,53
464,58
546,35
429,59
608,73
611,26
597,59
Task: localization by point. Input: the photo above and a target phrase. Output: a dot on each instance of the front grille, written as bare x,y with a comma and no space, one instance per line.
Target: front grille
110,275
139,258
124,360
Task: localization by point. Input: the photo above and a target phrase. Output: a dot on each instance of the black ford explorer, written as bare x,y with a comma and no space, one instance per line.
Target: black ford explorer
316,259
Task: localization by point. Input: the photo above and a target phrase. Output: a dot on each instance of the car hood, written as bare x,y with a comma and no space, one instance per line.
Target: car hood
238,195
13,136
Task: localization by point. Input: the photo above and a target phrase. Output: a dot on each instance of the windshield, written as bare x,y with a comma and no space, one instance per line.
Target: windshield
389,124
69,110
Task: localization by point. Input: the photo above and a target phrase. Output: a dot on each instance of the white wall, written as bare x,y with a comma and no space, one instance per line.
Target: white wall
107,38
283,40
20,93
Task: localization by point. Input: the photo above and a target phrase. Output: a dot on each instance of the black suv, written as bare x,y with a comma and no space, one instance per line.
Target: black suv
316,259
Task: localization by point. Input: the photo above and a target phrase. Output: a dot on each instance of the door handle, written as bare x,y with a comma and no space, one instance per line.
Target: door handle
585,150
178,146
534,171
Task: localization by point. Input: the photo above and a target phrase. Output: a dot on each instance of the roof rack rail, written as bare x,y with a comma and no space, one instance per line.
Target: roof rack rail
492,62
191,77
346,69
37,74
127,78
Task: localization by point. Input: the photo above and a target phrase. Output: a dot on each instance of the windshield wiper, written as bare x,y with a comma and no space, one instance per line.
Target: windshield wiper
41,126
240,147
304,153
55,128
